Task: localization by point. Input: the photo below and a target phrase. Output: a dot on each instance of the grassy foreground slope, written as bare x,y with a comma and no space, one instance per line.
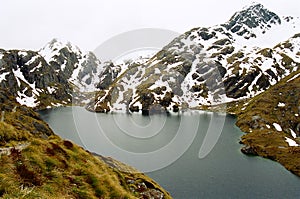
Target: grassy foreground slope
35,163
270,120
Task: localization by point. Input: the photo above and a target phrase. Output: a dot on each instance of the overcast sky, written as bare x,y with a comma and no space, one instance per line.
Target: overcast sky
30,24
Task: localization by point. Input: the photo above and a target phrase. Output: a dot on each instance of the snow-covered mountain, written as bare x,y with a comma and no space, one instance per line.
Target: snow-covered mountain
239,59
205,66
69,62
53,76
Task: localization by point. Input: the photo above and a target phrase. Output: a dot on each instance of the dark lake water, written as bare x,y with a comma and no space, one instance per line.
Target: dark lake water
192,155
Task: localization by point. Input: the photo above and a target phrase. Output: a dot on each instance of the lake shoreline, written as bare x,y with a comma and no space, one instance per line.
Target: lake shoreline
184,174
250,141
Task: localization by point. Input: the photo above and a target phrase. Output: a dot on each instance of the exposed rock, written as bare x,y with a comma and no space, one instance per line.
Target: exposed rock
252,17
248,150
134,109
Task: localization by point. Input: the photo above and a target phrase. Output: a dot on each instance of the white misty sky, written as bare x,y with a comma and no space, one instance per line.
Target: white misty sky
30,24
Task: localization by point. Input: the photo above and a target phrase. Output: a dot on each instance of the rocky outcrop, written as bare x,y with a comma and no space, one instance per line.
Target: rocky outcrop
253,16
248,150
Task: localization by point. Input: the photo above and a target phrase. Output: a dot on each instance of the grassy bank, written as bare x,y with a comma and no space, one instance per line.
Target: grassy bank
36,163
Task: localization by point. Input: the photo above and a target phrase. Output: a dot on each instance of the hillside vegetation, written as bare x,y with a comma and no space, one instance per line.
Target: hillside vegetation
272,124
36,163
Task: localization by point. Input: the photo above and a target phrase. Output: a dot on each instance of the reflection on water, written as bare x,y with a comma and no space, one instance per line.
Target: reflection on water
169,147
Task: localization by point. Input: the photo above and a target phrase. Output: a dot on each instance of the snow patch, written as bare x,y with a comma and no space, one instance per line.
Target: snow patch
293,133
294,77
25,100
95,76
63,66
281,104
50,89
277,126
274,35
3,75
22,53
37,67
267,64
291,142
32,59
53,48
19,76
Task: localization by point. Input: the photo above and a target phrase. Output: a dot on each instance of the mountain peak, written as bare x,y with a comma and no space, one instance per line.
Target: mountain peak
252,17
57,44
54,47
253,5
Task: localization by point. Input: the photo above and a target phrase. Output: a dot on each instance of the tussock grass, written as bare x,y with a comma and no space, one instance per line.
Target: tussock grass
47,167
39,164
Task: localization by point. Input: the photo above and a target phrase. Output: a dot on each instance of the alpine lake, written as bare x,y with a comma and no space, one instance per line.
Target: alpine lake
195,154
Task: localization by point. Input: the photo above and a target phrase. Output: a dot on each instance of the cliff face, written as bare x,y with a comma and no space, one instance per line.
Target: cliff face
34,162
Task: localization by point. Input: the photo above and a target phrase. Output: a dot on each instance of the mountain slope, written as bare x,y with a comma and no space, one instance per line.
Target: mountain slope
31,80
207,66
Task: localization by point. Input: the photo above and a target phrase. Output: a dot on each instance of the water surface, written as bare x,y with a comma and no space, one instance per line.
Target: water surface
167,147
